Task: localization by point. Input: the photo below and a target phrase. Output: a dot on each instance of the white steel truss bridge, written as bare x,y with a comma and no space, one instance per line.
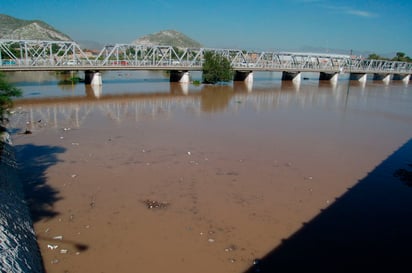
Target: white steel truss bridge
35,55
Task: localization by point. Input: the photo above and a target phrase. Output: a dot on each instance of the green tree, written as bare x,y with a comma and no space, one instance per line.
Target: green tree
401,57
216,68
374,56
7,92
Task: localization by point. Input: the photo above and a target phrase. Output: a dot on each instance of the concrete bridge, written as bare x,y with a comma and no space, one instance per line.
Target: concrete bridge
34,55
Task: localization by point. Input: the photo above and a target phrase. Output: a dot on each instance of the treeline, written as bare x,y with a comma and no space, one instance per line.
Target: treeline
400,57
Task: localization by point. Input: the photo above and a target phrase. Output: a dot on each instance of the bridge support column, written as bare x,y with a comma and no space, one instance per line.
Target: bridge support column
179,76
245,76
296,77
333,77
92,77
361,77
399,77
386,78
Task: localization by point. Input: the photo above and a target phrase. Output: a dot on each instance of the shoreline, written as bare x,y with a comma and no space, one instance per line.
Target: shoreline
18,244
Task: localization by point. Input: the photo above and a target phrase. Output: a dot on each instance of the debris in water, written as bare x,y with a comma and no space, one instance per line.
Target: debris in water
153,204
230,248
59,237
52,247
257,265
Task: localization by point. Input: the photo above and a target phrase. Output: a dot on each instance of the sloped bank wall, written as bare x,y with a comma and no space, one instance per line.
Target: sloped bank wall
19,251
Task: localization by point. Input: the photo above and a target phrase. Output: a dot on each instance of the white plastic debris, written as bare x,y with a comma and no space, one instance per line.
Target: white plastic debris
52,247
59,237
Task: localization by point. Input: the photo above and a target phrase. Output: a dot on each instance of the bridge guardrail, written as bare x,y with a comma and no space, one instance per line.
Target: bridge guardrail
64,55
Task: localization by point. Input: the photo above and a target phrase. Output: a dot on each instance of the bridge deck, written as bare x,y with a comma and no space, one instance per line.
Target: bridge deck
29,55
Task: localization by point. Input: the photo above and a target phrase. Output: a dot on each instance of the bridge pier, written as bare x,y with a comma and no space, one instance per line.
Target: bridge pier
401,77
245,76
386,78
291,76
179,76
361,77
92,77
333,77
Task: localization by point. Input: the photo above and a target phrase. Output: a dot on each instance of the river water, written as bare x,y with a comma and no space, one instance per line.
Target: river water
143,175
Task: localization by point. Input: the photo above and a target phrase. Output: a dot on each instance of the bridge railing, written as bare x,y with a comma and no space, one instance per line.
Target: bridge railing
66,54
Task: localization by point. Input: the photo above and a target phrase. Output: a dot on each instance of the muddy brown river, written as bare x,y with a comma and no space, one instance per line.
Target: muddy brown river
147,176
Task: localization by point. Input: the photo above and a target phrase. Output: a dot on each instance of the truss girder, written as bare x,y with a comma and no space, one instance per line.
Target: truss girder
41,53
55,54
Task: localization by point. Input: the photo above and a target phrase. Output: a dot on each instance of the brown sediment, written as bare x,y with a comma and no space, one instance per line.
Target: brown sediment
222,189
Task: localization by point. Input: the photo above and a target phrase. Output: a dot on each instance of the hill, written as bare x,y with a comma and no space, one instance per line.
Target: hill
13,28
168,37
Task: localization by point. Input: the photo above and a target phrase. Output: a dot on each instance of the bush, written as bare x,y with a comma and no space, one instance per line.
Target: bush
216,68
7,92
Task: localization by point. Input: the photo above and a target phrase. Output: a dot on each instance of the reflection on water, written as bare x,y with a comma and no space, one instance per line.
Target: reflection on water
151,95
177,88
215,98
240,86
291,85
93,91
163,99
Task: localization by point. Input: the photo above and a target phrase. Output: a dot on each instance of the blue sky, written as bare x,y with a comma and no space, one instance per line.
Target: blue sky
379,26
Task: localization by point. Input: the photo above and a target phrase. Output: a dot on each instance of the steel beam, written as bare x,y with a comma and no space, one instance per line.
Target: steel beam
32,55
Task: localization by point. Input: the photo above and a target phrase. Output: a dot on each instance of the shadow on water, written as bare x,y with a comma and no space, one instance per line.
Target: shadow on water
34,161
215,98
368,229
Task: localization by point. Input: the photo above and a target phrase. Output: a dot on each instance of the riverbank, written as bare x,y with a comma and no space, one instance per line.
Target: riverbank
19,251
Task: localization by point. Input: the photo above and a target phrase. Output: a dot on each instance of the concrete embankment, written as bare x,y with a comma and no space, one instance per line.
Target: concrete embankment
19,251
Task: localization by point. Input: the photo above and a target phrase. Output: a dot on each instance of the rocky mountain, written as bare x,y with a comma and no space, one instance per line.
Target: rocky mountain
90,44
168,37
13,28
